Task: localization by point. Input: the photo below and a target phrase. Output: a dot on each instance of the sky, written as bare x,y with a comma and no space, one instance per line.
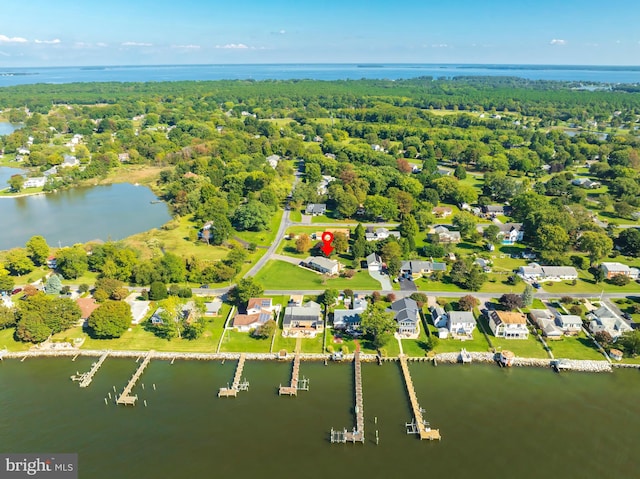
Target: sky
144,32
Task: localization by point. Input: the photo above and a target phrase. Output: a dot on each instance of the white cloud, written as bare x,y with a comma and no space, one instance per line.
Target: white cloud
102,44
233,46
186,47
55,41
6,39
136,44
557,41
440,45
282,32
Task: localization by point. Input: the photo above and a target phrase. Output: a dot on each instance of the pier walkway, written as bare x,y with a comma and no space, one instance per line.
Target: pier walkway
418,425
357,434
296,384
126,398
86,378
238,384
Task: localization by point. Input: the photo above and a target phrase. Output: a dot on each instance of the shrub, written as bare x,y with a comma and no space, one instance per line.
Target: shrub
620,280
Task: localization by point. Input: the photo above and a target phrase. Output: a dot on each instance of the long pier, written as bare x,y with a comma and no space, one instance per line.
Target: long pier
295,385
238,384
86,378
357,434
418,425
126,398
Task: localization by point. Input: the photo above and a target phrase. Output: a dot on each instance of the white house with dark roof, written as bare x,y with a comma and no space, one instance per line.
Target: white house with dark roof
379,234
439,316
35,182
546,322
259,311
445,235
407,316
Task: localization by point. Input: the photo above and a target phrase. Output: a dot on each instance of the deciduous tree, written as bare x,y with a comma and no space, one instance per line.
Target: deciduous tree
111,319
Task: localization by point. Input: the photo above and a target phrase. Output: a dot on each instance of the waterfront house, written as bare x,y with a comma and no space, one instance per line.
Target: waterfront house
316,209
305,320
258,312
570,324
156,317
614,269
349,319
546,322
407,316
69,161
441,211
461,324
535,272
605,319
417,269
87,306
139,309
35,182
374,262
322,265
508,325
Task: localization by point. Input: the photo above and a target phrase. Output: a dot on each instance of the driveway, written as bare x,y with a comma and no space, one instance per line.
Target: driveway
383,278
406,285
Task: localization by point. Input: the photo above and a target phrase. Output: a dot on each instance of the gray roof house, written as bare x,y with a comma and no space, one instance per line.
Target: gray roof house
420,268
461,323
322,264
407,315
604,319
305,320
316,209
374,262
439,317
349,319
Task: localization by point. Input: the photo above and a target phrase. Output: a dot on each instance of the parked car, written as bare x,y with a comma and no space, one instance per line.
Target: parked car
536,285
204,286
16,291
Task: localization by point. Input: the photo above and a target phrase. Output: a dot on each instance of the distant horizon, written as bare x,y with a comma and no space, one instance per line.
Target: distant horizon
354,63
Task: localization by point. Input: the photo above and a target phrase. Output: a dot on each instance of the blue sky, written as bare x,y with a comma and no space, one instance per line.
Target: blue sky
133,32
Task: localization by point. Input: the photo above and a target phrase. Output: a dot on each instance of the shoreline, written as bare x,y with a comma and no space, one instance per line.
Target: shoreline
593,366
24,195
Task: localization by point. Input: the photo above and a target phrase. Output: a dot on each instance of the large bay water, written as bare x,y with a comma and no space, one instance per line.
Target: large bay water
81,214
340,71
516,423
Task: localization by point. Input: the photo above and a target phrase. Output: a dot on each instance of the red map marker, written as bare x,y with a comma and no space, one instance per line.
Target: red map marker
327,238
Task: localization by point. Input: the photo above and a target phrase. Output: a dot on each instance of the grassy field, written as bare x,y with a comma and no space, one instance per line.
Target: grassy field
337,341
236,342
7,341
416,347
295,216
282,275
176,240
578,347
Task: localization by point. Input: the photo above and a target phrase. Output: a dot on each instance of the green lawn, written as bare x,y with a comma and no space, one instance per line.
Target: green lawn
328,219
282,275
140,339
235,341
309,345
578,347
337,341
391,349
7,341
416,347
524,348
295,216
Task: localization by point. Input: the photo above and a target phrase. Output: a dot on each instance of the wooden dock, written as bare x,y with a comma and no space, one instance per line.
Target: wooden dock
295,385
126,398
418,425
357,434
86,378
238,384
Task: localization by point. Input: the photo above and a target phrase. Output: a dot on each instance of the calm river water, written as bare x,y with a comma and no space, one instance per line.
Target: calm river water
81,214
520,423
